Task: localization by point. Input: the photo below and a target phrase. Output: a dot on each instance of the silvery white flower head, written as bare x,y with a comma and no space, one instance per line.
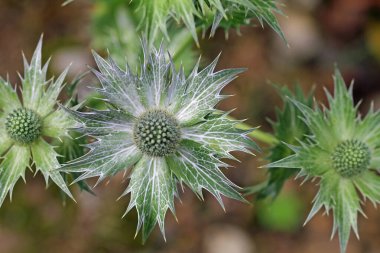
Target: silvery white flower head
161,126
24,125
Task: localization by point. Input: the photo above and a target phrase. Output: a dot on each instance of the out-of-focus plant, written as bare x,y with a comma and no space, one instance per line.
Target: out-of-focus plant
163,18
114,26
158,15
284,213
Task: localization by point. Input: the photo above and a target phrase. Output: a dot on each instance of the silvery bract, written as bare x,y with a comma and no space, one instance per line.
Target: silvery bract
24,125
163,127
343,151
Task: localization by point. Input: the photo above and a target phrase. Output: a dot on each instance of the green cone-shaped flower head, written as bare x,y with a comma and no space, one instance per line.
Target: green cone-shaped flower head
23,126
162,126
342,150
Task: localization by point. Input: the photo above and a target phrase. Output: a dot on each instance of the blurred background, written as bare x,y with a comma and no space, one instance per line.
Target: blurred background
320,33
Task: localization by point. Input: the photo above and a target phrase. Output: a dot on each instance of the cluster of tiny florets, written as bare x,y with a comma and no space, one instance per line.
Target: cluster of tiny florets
156,133
23,125
351,157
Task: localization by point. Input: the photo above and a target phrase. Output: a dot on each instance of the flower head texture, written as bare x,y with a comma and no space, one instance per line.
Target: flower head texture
342,150
163,128
25,123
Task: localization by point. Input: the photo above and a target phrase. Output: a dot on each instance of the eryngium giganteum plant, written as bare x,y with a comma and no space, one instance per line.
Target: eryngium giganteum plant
343,151
24,125
161,126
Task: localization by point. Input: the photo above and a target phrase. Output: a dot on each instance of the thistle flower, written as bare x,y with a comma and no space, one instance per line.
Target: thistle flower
24,125
342,150
164,128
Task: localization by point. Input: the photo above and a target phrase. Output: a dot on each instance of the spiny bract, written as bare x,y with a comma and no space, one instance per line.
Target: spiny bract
23,126
343,151
164,127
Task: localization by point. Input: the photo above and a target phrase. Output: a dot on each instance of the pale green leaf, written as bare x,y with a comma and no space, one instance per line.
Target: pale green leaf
346,208
9,100
34,80
5,141
57,123
305,159
50,96
317,124
368,185
45,160
342,112
340,196
12,168
368,129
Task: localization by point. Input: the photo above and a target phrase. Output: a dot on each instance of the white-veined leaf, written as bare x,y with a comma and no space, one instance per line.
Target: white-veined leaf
220,134
198,168
107,156
198,95
34,80
152,188
118,87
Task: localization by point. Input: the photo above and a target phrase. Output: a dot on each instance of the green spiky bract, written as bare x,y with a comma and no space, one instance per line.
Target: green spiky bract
156,15
195,139
288,128
23,126
342,150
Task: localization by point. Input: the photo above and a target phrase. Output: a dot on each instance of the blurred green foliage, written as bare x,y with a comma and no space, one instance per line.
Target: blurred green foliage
284,214
114,26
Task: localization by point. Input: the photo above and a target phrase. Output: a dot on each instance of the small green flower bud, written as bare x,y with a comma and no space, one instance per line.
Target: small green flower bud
23,125
351,157
161,138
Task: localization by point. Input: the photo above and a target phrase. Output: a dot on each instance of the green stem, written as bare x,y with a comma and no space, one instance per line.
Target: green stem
259,135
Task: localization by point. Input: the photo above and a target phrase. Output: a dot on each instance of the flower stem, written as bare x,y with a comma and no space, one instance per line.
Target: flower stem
259,135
